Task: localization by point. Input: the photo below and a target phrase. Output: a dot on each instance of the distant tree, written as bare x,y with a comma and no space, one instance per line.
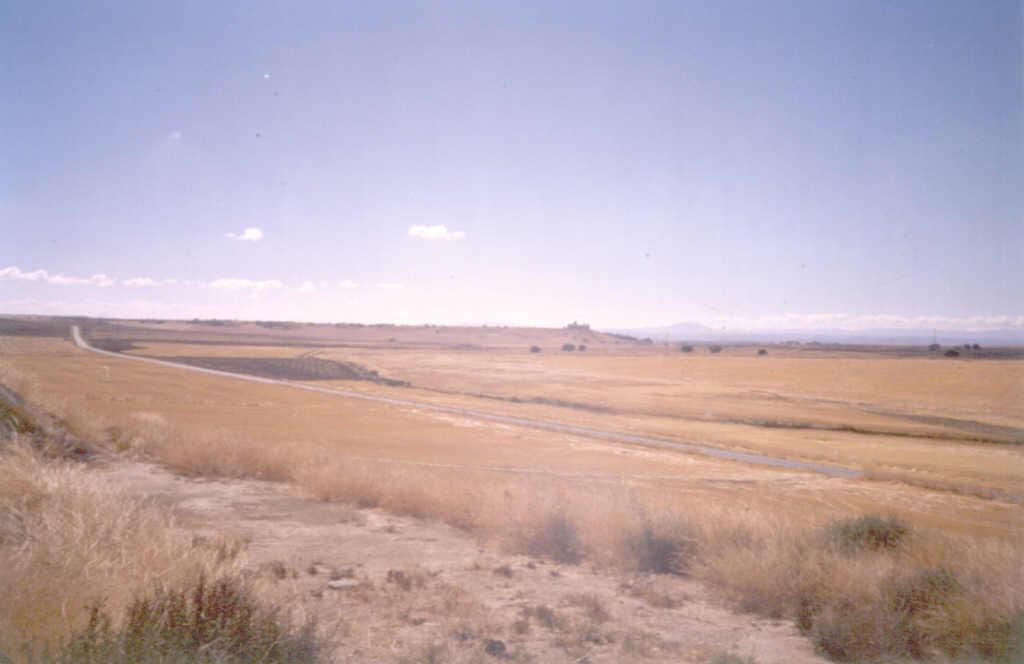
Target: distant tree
715,349
935,348
646,341
686,349
762,351
581,347
534,349
568,348
952,353
976,346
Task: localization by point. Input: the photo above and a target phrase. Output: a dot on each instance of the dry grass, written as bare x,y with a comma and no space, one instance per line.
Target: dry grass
68,540
910,419
841,582
760,536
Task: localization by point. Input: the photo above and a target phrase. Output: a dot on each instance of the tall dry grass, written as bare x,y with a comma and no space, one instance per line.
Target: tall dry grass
961,597
69,540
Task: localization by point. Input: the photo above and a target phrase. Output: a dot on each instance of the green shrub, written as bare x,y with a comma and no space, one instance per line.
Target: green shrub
867,533
207,622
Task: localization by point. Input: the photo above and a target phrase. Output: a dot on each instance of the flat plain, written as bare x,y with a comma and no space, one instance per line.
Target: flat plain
938,440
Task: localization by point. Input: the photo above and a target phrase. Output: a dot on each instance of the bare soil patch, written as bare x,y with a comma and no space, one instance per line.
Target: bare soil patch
388,588
304,367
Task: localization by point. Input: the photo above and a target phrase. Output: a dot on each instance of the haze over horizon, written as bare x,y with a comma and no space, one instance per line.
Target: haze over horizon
747,165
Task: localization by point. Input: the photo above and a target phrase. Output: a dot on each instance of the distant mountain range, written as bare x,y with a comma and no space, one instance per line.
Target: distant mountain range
689,331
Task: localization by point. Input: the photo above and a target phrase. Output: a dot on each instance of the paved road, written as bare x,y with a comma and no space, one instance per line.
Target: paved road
546,425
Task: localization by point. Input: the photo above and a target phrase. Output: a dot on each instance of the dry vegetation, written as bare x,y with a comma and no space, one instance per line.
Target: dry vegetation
939,573
71,545
946,425
92,574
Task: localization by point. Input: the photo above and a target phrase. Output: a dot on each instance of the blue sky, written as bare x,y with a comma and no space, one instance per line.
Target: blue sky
742,164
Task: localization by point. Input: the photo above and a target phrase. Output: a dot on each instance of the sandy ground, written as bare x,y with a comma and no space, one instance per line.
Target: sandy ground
412,590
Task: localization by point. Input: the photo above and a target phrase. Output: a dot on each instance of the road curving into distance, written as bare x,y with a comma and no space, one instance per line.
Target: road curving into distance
545,425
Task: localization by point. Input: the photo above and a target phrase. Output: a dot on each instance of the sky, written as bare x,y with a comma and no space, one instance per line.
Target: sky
739,164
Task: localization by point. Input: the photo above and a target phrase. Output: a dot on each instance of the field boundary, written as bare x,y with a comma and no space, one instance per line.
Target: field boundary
545,425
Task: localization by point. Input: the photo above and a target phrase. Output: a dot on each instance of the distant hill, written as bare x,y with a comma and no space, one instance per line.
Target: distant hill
690,331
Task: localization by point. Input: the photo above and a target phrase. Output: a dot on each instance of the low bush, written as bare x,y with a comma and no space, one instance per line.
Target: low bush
729,658
660,553
208,622
556,538
867,533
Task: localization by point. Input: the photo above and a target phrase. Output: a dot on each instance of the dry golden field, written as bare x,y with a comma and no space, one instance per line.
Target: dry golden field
939,423
121,395
939,441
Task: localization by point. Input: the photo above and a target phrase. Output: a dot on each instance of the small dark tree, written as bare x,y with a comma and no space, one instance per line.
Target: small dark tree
568,348
582,347
935,348
534,349
686,349
976,346
715,349
762,351
952,353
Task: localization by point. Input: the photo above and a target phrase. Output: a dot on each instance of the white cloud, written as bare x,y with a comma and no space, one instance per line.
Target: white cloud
236,284
437,232
348,284
387,285
139,282
100,280
174,136
14,273
251,234
307,287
